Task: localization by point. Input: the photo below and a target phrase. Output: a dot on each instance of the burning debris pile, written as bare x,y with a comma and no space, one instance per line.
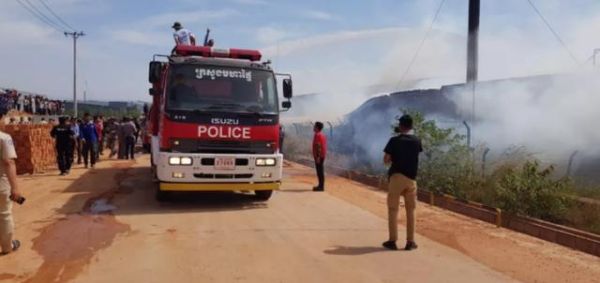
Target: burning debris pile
547,115
364,132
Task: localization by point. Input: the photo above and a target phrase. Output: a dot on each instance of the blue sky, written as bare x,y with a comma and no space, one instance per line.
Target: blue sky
329,46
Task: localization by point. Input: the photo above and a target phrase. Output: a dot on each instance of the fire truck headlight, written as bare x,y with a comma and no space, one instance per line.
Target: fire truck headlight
266,162
174,160
186,161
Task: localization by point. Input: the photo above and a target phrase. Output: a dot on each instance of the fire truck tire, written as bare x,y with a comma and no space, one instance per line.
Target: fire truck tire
263,195
161,196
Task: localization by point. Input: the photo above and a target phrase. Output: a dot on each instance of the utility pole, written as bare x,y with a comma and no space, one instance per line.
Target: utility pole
473,41
75,35
473,51
85,92
596,51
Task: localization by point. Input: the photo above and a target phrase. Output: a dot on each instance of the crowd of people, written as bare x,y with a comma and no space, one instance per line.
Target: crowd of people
11,99
85,140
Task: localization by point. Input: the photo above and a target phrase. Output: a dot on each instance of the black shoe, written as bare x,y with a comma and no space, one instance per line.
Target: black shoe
16,245
63,173
318,189
390,245
410,245
86,166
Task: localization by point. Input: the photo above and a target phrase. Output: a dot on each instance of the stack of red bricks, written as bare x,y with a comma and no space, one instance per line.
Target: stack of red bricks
35,148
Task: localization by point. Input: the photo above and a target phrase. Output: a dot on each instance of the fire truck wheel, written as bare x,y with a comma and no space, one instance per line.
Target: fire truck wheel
161,196
263,195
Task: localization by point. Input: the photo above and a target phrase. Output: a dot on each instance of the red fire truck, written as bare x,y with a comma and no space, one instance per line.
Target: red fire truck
214,121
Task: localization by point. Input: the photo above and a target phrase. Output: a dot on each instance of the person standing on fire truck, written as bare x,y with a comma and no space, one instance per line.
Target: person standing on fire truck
183,36
319,153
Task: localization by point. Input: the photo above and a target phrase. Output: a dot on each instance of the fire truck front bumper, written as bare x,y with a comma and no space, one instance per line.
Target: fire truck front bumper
218,172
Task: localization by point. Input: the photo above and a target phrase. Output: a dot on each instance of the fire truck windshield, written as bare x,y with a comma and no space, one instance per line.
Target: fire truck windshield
201,87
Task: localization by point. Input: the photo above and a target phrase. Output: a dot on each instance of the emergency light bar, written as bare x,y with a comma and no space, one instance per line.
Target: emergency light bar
205,51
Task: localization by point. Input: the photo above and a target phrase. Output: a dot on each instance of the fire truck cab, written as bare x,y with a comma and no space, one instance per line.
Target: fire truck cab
214,121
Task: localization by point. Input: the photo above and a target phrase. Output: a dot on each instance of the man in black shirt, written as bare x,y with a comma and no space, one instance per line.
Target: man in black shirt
64,147
402,152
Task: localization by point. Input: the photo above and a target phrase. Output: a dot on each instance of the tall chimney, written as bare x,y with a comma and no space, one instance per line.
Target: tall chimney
472,45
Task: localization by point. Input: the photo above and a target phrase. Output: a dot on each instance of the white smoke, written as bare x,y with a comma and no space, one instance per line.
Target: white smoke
551,115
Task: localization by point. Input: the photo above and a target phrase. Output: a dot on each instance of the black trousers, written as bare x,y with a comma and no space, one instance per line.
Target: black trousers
129,146
64,157
320,166
89,152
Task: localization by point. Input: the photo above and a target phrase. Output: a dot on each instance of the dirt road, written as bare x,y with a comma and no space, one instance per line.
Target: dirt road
104,225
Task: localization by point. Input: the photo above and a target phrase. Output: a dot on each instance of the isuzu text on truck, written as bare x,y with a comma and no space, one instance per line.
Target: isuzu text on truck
214,121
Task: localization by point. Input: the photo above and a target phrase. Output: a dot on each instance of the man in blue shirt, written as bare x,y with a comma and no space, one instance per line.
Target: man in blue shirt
76,141
89,138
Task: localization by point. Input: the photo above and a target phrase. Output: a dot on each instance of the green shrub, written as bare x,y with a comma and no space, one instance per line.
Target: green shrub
531,191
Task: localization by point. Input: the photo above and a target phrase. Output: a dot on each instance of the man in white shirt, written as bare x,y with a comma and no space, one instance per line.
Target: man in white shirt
183,36
9,192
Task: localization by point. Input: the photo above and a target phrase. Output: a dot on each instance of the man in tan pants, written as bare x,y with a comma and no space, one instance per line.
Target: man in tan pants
9,192
402,153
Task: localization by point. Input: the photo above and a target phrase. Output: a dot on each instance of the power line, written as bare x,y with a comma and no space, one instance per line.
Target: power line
39,17
34,7
414,58
553,31
55,15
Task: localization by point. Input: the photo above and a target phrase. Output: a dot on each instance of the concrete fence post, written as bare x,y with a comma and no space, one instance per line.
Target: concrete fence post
498,217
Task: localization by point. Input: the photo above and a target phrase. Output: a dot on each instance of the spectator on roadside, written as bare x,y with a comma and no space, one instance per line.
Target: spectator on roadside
99,131
63,136
183,36
89,139
129,129
111,131
76,142
136,122
402,153
121,139
21,102
319,153
9,191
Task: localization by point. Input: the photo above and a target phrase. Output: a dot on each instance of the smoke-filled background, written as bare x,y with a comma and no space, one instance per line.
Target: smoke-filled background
533,92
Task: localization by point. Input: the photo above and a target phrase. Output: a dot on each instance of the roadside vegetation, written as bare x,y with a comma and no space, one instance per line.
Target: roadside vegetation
515,181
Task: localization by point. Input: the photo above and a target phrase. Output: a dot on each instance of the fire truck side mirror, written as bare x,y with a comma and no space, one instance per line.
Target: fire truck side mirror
286,104
151,91
154,71
287,88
